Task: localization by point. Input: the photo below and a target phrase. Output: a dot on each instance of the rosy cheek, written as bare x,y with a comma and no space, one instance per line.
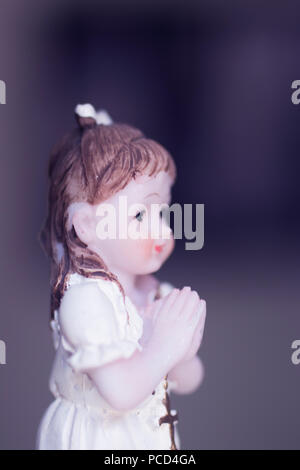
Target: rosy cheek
145,248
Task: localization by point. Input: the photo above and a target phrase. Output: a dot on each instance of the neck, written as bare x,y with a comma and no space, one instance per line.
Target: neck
127,280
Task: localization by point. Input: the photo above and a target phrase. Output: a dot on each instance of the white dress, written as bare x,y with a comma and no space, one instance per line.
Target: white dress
86,337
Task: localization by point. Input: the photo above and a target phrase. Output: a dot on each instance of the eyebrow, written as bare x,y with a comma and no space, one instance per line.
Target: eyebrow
152,194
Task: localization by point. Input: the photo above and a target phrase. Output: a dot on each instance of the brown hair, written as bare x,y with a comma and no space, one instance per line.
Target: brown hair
90,164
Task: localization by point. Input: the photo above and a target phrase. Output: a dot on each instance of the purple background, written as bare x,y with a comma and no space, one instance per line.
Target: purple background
211,81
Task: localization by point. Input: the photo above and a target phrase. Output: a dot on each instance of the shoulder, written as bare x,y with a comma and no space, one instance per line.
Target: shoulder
88,293
165,288
86,306
92,324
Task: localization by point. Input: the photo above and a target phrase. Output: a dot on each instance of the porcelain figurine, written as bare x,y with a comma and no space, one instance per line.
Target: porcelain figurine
123,339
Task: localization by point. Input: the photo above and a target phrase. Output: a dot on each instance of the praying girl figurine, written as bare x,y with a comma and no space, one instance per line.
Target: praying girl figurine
123,339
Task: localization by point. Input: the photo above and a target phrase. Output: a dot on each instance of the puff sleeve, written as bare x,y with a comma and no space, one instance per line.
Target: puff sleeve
93,331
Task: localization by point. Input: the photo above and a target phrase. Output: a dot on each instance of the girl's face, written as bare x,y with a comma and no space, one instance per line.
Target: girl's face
136,209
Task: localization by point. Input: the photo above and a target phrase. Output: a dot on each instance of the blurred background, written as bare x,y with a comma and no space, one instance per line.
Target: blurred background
211,81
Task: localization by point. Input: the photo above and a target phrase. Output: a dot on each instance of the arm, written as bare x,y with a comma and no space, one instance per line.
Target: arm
125,377
187,376
139,375
125,383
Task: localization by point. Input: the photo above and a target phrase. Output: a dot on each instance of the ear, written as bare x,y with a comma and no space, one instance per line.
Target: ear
83,221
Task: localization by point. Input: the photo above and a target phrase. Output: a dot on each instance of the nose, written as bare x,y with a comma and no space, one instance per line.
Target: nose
160,231
165,234
166,230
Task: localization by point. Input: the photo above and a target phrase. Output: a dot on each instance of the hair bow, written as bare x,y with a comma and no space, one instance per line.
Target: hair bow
87,110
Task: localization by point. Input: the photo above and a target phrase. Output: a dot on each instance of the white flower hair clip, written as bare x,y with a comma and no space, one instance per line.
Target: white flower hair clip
88,111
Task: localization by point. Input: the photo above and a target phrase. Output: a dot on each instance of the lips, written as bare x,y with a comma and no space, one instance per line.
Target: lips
158,248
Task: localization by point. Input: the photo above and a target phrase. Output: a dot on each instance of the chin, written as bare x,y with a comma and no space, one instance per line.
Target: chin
156,265
149,268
